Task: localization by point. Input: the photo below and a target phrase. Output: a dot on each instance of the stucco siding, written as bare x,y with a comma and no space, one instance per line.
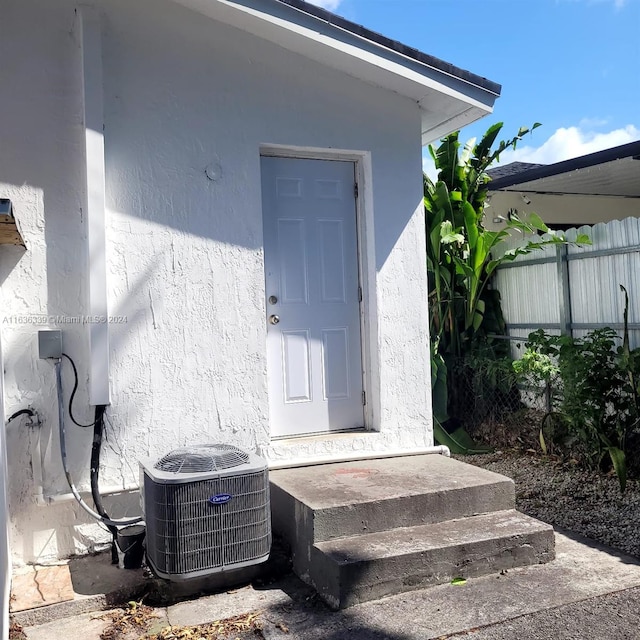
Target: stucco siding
184,252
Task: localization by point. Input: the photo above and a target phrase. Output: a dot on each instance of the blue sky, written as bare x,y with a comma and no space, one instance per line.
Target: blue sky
573,65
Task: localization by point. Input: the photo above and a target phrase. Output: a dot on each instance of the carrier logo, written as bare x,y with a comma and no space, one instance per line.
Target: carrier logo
220,498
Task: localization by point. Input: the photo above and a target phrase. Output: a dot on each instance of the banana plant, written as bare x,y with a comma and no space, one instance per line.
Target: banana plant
462,255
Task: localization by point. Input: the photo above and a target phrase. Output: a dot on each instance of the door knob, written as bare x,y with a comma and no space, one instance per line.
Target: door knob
274,319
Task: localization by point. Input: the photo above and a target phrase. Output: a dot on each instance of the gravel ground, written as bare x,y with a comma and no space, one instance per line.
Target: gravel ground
566,497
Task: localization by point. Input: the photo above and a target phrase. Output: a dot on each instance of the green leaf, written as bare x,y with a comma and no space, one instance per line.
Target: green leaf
439,394
583,238
448,235
619,465
458,582
484,146
625,315
537,223
543,444
470,224
467,152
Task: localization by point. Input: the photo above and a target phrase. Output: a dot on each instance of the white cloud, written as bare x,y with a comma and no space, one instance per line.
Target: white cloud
332,5
427,165
571,142
593,123
563,144
618,4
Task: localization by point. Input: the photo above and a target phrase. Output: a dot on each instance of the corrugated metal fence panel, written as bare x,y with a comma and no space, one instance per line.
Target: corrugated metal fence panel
595,293
531,293
595,282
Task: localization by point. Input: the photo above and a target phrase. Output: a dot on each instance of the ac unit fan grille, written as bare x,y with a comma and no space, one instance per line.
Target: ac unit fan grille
202,459
186,533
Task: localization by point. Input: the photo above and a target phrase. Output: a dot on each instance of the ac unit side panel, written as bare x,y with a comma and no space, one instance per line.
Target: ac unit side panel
177,577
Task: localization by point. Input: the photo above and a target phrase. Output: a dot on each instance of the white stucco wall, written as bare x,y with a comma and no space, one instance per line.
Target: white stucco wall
184,253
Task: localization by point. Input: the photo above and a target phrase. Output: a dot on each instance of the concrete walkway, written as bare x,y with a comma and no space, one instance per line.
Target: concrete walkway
588,591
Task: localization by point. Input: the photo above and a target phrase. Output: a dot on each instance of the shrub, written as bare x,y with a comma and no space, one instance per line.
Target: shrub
597,409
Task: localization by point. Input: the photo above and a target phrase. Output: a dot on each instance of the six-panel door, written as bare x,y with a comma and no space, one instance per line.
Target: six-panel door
314,348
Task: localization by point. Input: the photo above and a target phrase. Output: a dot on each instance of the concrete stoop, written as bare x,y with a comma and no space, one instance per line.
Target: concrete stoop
359,531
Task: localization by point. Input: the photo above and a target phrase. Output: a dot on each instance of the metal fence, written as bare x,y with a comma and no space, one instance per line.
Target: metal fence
571,289
489,400
561,289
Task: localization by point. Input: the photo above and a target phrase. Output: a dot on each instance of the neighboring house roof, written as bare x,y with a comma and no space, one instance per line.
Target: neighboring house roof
511,169
612,172
449,97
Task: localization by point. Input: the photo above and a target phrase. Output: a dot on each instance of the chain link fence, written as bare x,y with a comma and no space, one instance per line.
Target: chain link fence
495,404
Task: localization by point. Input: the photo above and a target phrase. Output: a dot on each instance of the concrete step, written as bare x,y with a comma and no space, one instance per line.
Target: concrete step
324,502
360,568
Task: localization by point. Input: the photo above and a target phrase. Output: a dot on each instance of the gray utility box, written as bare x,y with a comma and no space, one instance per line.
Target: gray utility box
50,344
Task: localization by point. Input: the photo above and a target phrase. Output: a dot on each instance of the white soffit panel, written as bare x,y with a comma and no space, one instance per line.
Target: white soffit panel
448,102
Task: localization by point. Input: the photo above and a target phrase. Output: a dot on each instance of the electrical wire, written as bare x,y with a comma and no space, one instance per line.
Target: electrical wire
73,393
63,454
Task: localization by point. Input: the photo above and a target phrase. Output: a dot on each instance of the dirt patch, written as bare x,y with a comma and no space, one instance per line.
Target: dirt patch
519,430
16,632
140,622
244,626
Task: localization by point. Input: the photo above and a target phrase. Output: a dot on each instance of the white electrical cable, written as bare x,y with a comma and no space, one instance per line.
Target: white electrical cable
63,455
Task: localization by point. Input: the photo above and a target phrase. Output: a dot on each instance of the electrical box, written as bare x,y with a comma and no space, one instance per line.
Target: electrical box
50,344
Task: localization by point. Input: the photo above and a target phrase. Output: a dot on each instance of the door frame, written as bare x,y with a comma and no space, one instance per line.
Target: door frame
366,264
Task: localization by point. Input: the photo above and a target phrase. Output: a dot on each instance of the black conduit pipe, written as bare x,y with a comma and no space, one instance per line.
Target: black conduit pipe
98,430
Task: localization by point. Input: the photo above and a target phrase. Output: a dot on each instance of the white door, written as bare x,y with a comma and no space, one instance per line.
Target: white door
314,351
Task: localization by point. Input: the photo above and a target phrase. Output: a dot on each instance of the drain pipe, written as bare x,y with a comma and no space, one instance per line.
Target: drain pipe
357,457
63,454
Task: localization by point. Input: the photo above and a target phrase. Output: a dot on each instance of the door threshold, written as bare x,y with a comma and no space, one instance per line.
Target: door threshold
326,446
321,436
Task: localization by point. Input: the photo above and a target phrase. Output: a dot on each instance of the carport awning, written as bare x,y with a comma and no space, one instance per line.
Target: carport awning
613,172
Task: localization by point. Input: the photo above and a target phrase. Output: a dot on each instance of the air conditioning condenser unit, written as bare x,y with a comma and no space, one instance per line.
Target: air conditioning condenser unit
206,509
